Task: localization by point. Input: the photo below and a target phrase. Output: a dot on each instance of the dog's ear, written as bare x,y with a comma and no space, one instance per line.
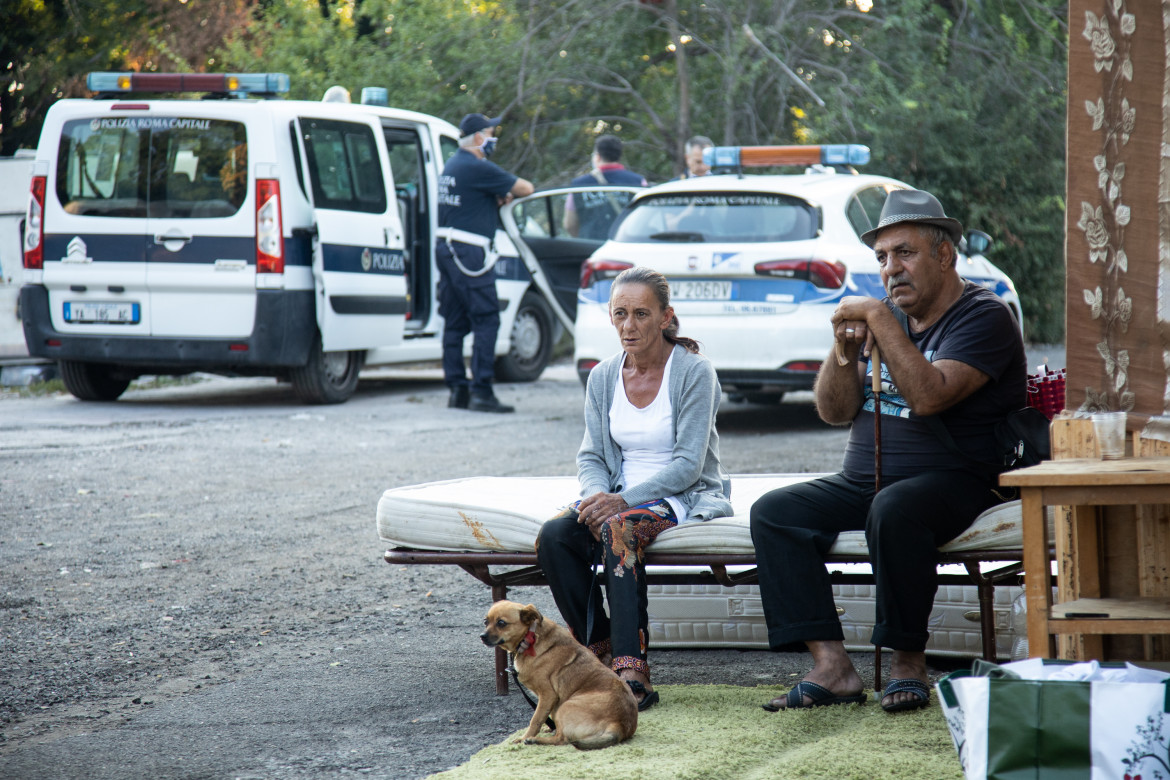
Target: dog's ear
529,614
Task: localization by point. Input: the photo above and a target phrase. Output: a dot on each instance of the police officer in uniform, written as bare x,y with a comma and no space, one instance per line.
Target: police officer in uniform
589,214
471,190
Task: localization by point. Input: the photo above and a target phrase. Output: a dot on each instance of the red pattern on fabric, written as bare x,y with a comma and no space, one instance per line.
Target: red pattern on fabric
601,648
629,662
530,638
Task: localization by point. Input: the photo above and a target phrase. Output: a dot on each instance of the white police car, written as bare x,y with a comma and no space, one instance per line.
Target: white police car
249,236
756,263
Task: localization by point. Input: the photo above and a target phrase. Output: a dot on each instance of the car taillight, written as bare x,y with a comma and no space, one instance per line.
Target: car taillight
596,270
34,228
821,273
803,365
269,235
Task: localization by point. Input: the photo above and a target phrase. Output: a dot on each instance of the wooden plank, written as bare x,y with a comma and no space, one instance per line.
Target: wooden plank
1115,609
1105,495
1038,576
1144,447
1072,437
1089,472
1153,544
1114,628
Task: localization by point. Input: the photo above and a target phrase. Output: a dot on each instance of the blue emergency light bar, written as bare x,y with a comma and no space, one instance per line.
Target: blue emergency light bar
759,156
242,83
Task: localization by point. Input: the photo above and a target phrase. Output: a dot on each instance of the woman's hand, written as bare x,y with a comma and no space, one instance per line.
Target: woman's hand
598,508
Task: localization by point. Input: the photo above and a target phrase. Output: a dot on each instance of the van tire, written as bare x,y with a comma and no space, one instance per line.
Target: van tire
92,381
531,341
328,377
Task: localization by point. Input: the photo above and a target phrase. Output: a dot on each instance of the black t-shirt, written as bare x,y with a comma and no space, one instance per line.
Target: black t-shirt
468,190
977,330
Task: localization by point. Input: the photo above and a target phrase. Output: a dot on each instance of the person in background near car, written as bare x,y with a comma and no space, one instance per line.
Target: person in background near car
693,155
954,352
591,217
471,191
649,461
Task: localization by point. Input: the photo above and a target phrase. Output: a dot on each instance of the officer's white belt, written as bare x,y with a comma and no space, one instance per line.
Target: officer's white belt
463,237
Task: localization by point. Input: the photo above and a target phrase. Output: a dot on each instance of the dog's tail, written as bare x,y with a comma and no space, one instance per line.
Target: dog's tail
598,740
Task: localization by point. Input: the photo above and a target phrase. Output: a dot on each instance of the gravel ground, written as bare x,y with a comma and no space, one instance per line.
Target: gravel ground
191,583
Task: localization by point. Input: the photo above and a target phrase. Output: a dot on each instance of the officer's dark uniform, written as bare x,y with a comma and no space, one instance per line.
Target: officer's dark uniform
468,192
595,211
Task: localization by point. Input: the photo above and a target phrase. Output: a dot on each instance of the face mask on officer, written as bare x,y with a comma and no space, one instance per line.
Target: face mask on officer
488,146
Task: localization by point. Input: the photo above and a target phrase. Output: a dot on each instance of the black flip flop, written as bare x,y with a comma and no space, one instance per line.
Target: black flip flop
820,696
645,700
919,689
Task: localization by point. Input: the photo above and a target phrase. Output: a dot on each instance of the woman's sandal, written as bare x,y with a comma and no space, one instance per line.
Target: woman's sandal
646,700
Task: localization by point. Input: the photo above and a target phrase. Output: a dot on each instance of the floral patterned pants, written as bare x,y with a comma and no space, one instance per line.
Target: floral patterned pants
567,553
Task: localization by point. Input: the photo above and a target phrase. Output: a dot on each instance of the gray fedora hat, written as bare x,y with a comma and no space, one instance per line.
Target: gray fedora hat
913,206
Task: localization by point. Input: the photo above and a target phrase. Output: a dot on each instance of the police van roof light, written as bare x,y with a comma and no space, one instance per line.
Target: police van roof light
759,156
375,96
244,83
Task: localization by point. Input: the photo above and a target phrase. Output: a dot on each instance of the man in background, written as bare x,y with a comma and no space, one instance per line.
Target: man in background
693,155
589,214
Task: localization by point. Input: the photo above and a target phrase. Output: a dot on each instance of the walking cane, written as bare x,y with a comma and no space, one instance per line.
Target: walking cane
877,417
876,359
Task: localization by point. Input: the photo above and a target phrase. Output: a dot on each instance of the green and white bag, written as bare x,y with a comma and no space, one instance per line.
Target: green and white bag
1059,720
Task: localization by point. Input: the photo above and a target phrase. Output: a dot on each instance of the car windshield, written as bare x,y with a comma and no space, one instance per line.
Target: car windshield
718,217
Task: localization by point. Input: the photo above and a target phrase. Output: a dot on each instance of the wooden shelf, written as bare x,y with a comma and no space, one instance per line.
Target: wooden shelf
1124,609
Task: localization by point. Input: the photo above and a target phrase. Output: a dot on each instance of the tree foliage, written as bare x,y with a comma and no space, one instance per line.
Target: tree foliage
962,97
48,46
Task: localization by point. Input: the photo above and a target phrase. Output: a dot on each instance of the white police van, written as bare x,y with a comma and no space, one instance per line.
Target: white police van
248,236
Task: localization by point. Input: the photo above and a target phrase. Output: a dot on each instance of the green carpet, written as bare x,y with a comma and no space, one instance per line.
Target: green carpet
703,732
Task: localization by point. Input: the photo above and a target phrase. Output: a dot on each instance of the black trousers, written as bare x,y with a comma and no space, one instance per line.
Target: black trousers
566,552
794,527
468,305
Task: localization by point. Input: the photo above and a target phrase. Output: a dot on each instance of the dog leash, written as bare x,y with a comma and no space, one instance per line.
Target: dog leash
588,633
524,691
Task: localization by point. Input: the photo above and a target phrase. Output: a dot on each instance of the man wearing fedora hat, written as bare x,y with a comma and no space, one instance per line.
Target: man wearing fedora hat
948,349
471,191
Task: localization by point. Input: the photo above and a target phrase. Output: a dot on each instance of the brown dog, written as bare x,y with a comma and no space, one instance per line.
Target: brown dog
591,707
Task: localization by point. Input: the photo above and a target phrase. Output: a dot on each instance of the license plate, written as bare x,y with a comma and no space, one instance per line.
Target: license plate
700,291
96,311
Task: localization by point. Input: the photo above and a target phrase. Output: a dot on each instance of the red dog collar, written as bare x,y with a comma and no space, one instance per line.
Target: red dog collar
530,639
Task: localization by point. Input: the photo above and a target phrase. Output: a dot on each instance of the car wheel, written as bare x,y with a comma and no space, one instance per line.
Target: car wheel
531,347
92,381
328,377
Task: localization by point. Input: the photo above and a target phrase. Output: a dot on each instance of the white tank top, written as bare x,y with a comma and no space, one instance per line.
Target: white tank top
646,436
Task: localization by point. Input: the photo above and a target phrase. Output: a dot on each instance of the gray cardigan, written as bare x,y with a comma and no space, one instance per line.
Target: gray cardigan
693,474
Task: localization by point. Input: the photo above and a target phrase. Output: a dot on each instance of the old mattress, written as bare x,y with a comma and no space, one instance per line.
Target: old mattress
504,514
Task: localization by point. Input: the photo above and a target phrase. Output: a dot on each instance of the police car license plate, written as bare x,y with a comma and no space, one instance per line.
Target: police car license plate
700,291
126,313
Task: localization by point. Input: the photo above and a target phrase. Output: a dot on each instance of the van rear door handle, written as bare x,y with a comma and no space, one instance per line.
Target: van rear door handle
172,235
172,240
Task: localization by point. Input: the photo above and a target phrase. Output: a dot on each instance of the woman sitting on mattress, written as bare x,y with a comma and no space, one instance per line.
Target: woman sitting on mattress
649,461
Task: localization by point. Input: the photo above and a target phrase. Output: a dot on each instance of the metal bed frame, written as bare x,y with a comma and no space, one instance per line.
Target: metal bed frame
715,571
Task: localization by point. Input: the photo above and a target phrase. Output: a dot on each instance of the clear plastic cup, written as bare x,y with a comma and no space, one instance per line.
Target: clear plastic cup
1109,427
